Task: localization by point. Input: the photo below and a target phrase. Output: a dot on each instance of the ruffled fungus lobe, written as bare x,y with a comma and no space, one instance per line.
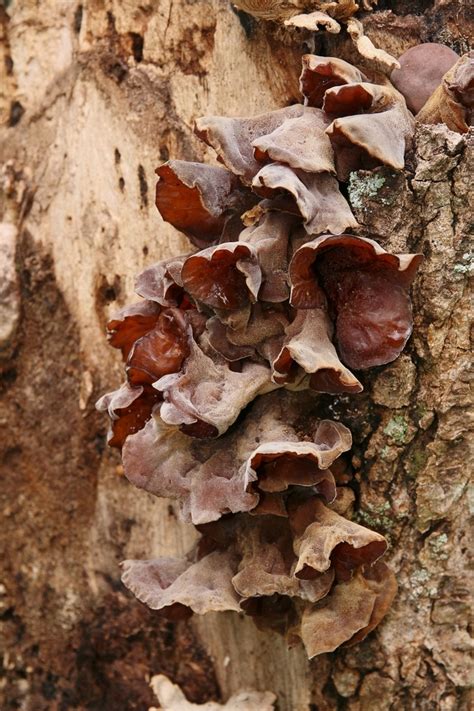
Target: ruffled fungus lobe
269,241
173,584
453,101
264,547
421,71
223,277
344,615
308,344
221,344
375,127
258,338
381,581
210,393
196,198
160,351
323,539
162,282
300,143
129,409
365,286
317,197
131,406
257,471
232,138
174,468
130,324
321,73
275,466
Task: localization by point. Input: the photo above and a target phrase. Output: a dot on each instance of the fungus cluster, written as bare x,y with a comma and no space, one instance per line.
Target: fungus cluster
226,352
271,508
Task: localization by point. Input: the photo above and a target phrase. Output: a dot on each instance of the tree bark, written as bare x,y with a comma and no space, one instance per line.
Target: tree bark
94,96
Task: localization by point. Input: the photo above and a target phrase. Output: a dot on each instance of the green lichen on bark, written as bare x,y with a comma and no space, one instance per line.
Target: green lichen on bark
397,429
361,187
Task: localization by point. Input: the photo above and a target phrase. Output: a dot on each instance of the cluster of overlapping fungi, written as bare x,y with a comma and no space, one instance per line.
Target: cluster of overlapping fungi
224,355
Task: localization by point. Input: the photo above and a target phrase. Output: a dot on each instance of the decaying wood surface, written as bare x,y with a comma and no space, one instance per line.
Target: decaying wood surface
93,97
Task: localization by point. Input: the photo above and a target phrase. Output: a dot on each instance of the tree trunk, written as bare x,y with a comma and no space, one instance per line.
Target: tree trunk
94,96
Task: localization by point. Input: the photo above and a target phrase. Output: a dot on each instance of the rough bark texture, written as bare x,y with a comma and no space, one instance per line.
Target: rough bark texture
93,97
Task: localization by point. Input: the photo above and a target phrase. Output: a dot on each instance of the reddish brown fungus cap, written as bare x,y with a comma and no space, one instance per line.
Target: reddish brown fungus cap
129,409
130,324
367,290
195,198
308,345
321,73
224,277
160,351
275,466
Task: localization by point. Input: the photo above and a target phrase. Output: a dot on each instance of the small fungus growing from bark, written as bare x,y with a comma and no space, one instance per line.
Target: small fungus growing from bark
452,102
421,71
226,354
378,58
